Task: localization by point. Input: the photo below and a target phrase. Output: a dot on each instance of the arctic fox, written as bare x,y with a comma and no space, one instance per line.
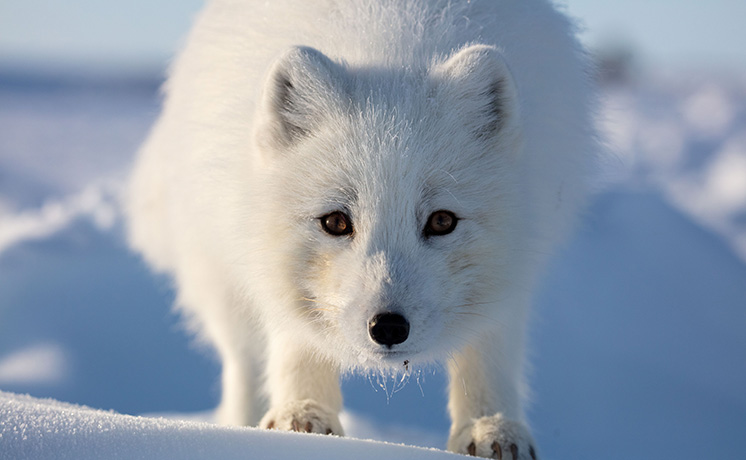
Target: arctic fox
367,185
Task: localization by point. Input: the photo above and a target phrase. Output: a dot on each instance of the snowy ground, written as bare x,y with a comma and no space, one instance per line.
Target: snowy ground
34,429
639,342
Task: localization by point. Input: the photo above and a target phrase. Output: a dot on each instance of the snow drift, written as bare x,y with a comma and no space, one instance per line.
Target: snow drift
38,429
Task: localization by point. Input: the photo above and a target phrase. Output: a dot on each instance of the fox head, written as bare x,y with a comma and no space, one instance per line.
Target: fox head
391,219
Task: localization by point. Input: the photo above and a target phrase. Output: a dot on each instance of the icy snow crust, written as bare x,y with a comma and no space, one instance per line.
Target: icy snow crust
39,429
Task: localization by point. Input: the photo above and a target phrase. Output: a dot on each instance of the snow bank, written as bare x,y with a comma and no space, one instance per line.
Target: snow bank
97,202
685,138
41,429
45,363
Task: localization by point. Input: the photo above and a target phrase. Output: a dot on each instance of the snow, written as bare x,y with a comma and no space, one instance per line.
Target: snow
43,363
54,215
638,339
38,429
686,139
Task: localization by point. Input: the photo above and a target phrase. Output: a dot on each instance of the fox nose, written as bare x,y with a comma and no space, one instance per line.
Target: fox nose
388,329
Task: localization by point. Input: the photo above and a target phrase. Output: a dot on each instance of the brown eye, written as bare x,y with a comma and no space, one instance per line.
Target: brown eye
440,223
336,223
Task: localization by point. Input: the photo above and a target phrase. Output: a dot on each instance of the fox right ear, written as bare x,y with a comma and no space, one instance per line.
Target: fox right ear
303,86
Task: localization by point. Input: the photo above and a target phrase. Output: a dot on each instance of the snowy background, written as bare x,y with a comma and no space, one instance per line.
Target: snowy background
639,341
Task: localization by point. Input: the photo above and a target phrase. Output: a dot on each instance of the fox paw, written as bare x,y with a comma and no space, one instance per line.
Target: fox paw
306,416
494,437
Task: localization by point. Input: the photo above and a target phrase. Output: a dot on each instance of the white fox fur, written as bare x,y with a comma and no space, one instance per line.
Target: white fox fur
280,112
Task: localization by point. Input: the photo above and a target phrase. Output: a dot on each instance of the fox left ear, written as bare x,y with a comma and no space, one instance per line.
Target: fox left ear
478,90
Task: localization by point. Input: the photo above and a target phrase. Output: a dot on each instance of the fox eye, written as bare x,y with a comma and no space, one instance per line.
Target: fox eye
336,223
440,223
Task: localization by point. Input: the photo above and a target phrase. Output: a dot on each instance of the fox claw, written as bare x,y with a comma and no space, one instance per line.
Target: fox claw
306,416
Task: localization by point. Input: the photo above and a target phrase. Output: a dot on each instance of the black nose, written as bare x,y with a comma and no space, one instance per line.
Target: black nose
388,329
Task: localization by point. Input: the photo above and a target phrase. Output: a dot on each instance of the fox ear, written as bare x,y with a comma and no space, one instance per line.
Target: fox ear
477,89
303,85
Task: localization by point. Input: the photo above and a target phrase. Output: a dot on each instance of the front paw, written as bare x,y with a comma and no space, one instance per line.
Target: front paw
494,437
305,416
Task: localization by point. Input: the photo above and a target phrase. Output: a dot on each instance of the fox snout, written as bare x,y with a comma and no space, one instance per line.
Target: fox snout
388,329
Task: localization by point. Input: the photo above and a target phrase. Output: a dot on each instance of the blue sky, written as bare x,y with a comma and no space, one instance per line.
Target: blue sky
143,33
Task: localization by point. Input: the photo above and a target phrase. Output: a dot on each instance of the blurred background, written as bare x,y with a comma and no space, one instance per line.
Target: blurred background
639,341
